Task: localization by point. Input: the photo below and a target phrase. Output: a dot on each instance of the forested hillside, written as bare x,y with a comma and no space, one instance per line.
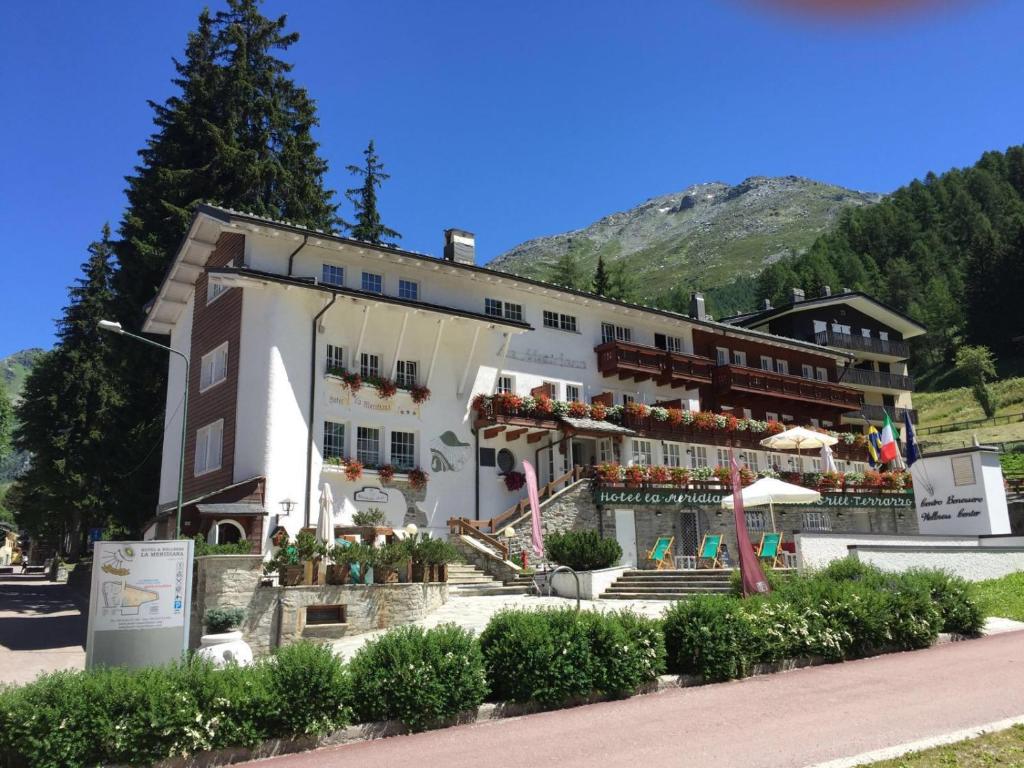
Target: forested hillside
948,251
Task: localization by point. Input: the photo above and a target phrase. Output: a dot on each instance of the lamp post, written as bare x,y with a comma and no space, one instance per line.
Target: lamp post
113,327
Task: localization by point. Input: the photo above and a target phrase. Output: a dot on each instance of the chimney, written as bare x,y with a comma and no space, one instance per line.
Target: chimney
767,304
697,306
796,294
459,246
844,290
826,290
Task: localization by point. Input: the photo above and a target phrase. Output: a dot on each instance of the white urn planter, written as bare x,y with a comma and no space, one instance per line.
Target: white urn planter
225,648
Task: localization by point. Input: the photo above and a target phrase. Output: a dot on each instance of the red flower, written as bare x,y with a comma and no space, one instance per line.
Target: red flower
514,480
418,479
634,475
775,428
421,393
705,420
608,472
675,416
730,422
598,411
658,474
386,473
353,381
386,388
680,476
353,470
544,405
637,409
579,410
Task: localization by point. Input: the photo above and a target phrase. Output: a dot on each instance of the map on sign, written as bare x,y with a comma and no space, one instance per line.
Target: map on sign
142,586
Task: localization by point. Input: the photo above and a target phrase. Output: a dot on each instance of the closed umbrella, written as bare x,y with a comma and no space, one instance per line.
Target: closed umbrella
828,461
771,491
325,523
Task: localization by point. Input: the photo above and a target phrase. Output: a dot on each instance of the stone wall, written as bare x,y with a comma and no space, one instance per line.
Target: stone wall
571,509
277,615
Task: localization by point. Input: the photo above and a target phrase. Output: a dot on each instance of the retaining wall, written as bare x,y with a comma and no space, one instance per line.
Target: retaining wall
973,563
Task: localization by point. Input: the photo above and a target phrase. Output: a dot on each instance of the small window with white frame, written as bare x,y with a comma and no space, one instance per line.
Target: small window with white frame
409,289
748,414
559,321
572,392
722,457
786,418
668,343
822,374
209,445
405,373
815,422
214,290
372,282
627,399
739,358
368,446
513,312
673,455
698,456
403,450
492,308
506,385
757,520
643,453
815,464
782,366
332,274
335,358
604,450
612,332
334,440
817,521
770,416
369,365
721,356
214,367
807,371
766,363
752,461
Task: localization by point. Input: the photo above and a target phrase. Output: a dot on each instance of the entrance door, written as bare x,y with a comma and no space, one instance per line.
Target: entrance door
689,533
625,534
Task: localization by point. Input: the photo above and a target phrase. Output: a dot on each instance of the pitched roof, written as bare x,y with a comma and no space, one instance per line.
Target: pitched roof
867,304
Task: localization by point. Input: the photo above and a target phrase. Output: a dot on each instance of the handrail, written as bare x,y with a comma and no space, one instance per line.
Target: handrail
461,526
894,347
551,579
548,489
884,379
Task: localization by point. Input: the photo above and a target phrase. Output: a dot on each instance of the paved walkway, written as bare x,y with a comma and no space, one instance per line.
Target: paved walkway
474,613
41,628
790,720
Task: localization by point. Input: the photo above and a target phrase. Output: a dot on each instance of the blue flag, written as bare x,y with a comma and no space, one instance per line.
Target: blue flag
913,452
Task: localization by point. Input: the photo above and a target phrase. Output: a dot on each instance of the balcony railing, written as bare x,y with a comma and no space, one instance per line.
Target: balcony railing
879,379
641,362
877,413
890,347
739,379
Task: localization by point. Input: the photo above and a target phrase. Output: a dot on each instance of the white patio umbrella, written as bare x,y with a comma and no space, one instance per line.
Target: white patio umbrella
797,438
771,491
325,523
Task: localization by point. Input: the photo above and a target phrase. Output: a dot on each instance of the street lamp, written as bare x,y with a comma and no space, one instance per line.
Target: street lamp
113,327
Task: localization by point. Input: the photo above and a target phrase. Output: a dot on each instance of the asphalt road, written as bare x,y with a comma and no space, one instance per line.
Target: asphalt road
41,628
793,719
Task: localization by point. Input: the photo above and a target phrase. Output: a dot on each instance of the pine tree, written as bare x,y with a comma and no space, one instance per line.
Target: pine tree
600,278
368,226
6,424
568,272
68,407
621,283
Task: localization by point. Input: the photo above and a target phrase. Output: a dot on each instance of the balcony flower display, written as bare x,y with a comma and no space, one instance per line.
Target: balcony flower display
420,393
418,479
775,428
609,472
385,473
659,414
543,406
634,475
353,470
639,410
658,474
560,408
599,411
579,410
676,416
830,480
680,476
873,479
386,388
352,380
705,420
514,480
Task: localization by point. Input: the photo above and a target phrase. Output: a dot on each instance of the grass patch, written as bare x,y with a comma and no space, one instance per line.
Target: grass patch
952,405
1003,597
993,749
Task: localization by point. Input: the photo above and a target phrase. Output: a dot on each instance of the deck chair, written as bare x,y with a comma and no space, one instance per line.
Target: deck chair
661,553
769,551
709,554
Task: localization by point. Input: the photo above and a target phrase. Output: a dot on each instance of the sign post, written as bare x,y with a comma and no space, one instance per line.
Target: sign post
139,603
960,492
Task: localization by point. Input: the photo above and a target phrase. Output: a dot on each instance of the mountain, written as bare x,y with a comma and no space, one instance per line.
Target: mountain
14,368
712,237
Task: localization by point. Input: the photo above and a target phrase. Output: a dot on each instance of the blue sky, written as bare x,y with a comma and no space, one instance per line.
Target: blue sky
512,120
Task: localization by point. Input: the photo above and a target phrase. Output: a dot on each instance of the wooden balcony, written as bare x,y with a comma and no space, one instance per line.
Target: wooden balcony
876,413
737,380
640,363
894,348
878,380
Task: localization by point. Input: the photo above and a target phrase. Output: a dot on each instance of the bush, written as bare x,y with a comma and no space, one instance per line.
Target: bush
373,516
309,689
203,548
224,619
956,599
419,677
582,550
554,656
710,636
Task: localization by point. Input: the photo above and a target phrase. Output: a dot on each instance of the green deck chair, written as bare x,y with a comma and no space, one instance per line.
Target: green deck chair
709,554
770,550
661,553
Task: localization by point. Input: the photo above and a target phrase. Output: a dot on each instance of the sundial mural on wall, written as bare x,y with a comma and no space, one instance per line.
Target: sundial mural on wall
448,453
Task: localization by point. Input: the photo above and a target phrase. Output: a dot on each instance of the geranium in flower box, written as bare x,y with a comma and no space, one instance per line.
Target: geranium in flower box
420,393
386,473
514,480
723,475
830,480
747,476
481,404
705,420
658,474
352,380
386,388
353,470
609,472
894,481
544,406
639,410
775,428
598,411
418,479
579,410
873,479
634,475
731,422
680,476
675,416
509,402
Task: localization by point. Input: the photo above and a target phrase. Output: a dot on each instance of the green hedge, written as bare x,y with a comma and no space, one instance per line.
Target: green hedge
419,677
582,550
555,655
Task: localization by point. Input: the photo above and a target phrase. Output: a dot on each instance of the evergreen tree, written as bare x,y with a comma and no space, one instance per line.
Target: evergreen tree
621,283
600,278
568,272
6,424
67,410
368,225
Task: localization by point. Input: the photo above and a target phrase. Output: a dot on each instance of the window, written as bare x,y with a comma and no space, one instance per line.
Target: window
815,465
673,456
508,310
757,520
752,461
782,366
769,416
572,392
372,282
627,399
334,440
506,385
786,418
213,290
816,521
807,371
492,307
333,275
815,423
721,356
820,326
739,358
865,332
369,365
766,363
408,289
514,312
722,458
214,368
642,453
822,374
747,413
883,335
610,332
826,424
209,442
604,450
335,358
405,374
559,321
840,328
368,446
669,343
506,461
698,456
403,450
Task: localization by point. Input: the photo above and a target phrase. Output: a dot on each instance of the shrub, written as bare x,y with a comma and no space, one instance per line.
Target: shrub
373,516
582,550
419,677
955,598
203,548
224,619
710,636
553,656
309,688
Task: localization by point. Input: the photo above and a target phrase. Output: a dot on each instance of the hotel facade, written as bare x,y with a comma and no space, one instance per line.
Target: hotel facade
463,372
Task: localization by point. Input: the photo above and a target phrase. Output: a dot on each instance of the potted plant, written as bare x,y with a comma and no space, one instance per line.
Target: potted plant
223,643
387,561
438,555
286,564
309,551
514,480
609,472
634,475
373,517
353,381
680,476
598,411
386,388
340,568
659,474
385,473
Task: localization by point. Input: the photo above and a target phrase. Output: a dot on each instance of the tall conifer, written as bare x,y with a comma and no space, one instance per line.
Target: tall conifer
368,225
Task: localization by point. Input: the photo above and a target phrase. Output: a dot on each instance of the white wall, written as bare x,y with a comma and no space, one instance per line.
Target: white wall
181,339
944,507
971,563
816,550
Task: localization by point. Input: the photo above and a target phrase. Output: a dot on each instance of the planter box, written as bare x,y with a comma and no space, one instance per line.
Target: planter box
291,575
420,573
592,583
338,574
382,575
439,572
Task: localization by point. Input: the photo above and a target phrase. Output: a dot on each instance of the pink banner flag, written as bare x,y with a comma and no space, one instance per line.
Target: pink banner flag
531,490
751,575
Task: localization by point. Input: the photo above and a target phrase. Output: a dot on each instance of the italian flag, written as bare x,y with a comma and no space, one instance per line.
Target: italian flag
889,449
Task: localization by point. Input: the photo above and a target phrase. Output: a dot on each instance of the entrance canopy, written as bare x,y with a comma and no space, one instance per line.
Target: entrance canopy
771,491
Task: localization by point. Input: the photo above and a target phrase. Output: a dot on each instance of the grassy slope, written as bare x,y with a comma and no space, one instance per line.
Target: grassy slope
1003,597
1003,748
953,405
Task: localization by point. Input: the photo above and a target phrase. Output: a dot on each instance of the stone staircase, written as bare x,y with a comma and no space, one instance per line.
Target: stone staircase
668,585
467,580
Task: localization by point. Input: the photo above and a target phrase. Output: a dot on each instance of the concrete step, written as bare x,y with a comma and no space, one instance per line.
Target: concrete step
470,590
654,591
701,574
669,580
656,596
469,580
